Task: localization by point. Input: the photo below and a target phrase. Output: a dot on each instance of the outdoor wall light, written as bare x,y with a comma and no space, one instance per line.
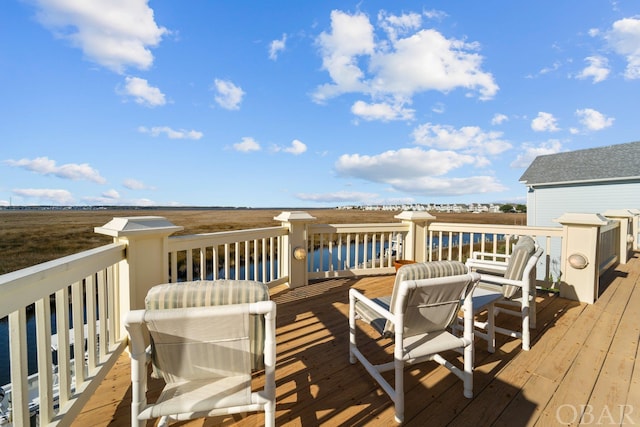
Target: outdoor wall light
299,253
578,261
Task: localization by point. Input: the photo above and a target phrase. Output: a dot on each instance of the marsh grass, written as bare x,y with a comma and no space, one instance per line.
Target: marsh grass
30,237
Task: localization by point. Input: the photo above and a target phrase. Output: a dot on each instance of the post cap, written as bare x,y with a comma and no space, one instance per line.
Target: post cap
138,225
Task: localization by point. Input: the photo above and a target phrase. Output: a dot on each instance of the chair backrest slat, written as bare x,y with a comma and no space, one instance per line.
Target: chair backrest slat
433,304
523,250
423,270
186,340
204,293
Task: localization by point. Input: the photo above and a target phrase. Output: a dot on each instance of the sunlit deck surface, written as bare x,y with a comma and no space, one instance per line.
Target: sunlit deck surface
581,355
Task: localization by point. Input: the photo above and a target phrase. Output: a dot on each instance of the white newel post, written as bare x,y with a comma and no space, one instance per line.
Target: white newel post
625,218
635,226
416,241
147,262
580,235
296,246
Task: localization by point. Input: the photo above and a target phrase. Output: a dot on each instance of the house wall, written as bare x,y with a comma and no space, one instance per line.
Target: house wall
548,203
545,204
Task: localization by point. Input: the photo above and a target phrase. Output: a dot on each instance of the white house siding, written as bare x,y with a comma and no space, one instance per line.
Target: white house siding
545,204
548,203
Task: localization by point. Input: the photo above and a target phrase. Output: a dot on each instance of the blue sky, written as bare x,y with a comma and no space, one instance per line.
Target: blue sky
305,104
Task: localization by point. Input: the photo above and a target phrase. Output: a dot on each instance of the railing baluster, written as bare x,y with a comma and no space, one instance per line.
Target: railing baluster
203,263
62,331
331,251
103,345
77,306
18,360
114,321
43,344
90,292
226,261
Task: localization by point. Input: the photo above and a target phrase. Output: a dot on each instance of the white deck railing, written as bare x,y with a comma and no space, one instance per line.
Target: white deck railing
81,287
338,250
96,288
251,254
608,246
456,241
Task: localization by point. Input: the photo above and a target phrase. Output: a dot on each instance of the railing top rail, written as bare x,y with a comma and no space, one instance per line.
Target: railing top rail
357,228
222,237
495,228
21,288
610,226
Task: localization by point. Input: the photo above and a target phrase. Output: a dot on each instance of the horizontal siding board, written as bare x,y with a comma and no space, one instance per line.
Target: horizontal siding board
545,204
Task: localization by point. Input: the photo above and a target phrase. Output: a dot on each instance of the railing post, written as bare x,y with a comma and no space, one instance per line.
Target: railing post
416,240
146,263
296,246
579,263
635,228
624,217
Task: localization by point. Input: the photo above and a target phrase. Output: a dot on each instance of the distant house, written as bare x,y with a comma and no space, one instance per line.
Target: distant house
583,181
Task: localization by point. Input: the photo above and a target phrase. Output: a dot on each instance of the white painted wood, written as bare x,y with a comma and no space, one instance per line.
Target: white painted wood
64,356
18,356
23,287
45,371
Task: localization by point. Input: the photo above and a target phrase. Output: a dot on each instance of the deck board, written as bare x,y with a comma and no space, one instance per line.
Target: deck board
581,355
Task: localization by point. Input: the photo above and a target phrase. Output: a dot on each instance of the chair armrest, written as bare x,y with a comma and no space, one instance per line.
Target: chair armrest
477,255
356,295
498,280
497,267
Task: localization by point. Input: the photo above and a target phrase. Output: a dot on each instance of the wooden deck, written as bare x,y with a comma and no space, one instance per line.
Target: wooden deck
582,356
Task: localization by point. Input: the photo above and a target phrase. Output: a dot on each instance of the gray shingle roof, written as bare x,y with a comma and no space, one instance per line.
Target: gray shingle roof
613,162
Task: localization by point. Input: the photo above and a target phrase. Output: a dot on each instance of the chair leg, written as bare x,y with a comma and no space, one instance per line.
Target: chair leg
352,329
532,310
399,392
526,335
491,328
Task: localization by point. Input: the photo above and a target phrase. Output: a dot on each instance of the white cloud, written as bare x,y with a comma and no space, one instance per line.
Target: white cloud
337,197
624,38
430,186
594,120
229,96
171,133
468,139
499,119
351,36
406,163
530,152
381,111
115,35
246,145
134,184
395,25
142,93
46,166
598,69
545,122
105,199
417,171
398,66
277,46
111,194
297,147
56,196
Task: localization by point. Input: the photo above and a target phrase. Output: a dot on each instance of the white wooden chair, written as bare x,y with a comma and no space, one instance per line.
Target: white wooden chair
507,280
205,344
418,315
